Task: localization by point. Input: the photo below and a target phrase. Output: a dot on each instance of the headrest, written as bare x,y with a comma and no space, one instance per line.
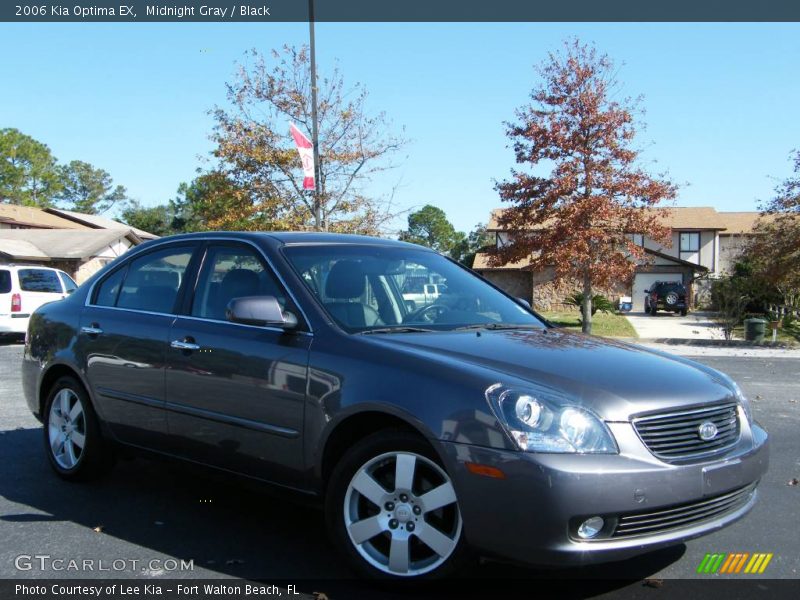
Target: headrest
160,278
346,280
240,282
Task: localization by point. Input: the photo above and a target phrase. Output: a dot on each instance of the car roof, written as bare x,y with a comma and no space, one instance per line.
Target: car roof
16,266
295,238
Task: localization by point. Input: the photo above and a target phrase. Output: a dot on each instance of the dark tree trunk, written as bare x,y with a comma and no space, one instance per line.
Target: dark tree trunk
586,309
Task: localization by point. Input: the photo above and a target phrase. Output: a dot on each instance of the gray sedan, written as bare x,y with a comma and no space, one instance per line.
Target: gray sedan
430,427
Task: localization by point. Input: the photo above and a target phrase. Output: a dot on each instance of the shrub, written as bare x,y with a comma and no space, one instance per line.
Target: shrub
599,302
730,299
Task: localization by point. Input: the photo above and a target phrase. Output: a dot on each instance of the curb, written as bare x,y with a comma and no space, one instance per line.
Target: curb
716,343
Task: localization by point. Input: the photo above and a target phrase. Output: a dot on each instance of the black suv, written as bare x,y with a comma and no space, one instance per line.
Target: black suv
666,295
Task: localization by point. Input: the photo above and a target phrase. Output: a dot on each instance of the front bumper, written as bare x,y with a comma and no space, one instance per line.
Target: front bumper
531,514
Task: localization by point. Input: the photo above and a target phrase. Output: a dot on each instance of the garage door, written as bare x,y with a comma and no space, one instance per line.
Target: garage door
643,281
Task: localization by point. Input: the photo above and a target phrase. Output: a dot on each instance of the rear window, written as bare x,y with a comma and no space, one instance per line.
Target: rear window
5,282
39,280
671,287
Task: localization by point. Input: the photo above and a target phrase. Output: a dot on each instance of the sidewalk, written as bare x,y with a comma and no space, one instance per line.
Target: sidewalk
697,348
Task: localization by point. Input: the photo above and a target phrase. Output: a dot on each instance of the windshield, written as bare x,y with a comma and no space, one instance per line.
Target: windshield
370,288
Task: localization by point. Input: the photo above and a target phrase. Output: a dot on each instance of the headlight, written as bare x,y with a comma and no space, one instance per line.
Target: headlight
540,420
742,399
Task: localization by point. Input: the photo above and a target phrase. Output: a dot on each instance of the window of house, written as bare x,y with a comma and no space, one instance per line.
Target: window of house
690,246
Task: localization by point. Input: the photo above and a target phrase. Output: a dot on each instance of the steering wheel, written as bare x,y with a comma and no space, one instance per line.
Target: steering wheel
425,313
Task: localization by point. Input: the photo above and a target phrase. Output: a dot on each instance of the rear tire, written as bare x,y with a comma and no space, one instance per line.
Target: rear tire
73,441
684,312
380,510
653,311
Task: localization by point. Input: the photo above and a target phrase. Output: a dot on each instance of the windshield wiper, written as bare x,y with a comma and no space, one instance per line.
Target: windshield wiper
495,326
402,329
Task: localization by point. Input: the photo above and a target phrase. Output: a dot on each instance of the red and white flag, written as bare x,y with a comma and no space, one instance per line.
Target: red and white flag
306,150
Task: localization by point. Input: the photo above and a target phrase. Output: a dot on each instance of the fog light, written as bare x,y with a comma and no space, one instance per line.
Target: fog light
590,527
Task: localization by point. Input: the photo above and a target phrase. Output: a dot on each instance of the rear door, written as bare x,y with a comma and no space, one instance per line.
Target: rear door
123,339
236,393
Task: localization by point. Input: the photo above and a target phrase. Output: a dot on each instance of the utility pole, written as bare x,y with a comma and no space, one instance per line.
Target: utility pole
314,129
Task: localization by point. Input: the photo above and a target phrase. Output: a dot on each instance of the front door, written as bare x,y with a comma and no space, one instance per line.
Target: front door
123,336
235,393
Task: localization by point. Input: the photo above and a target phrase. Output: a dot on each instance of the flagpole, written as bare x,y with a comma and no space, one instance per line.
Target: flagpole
314,131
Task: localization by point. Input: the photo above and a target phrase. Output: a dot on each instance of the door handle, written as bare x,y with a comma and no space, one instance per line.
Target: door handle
93,329
184,345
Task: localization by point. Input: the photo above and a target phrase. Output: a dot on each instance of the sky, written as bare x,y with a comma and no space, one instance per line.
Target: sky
721,100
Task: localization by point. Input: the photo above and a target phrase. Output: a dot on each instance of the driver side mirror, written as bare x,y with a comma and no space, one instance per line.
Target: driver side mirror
259,311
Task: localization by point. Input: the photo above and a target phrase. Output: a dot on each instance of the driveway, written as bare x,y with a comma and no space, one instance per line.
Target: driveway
694,326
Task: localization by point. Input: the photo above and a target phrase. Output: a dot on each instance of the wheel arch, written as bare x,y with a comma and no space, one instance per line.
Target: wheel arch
357,425
52,374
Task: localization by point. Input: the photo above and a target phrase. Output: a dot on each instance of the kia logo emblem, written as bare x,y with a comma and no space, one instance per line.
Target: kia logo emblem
707,431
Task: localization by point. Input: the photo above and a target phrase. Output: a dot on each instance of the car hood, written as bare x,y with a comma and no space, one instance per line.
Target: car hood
614,379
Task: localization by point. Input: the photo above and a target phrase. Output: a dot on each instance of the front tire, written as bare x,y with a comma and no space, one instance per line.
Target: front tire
72,438
392,507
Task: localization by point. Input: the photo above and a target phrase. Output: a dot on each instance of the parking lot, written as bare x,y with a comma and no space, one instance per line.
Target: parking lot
151,511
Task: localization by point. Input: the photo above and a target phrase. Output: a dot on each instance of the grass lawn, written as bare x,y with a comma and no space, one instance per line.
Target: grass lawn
788,335
605,324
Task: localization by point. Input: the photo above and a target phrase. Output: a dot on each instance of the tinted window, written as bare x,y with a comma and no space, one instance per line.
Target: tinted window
670,287
69,285
108,290
39,280
152,281
232,272
5,282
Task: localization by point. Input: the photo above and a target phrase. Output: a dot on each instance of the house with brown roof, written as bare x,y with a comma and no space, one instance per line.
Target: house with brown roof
73,242
97,222
705,243
13,216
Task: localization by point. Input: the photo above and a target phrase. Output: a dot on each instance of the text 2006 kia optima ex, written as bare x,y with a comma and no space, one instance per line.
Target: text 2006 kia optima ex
431,413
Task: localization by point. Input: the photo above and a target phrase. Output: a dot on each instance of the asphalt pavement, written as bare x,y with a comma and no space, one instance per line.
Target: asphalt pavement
152,514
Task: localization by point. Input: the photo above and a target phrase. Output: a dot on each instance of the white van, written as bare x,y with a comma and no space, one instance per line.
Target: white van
24,288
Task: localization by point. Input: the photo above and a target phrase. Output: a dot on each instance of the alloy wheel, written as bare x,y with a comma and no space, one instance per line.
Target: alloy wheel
401,514
67,429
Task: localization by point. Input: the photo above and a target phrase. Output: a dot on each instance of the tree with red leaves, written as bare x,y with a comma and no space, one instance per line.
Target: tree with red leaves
579,218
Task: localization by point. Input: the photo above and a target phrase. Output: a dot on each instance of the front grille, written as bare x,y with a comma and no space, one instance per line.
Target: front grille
675,436
682,515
